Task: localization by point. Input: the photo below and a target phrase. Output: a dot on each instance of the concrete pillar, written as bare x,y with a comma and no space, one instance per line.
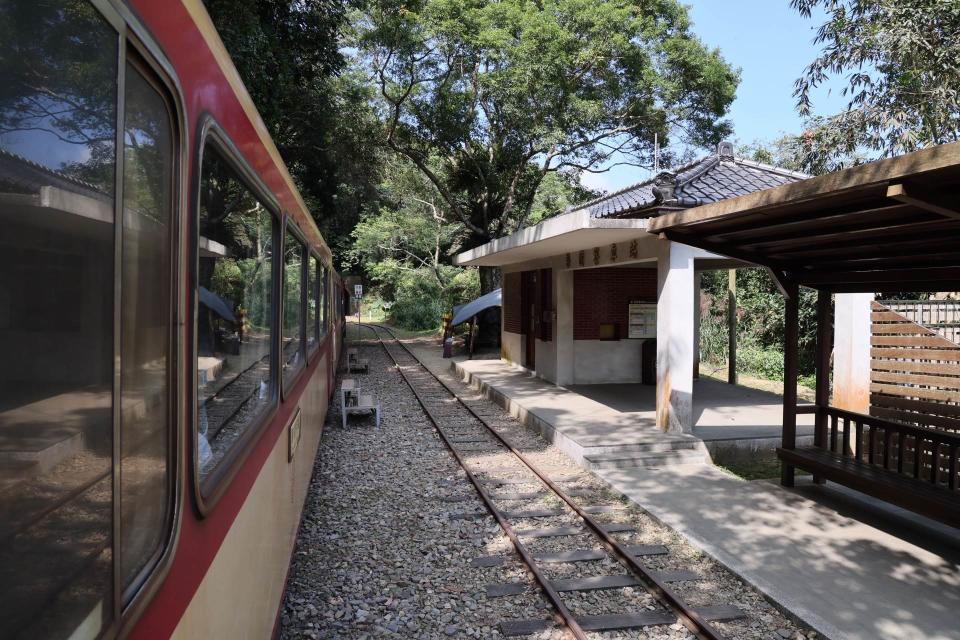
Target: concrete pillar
676,315
851,352
563,288
696,325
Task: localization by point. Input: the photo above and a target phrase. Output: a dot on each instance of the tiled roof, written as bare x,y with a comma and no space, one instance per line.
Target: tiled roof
19,175
715,177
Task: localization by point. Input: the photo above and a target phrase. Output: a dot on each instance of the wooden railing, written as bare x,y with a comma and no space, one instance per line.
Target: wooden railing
928,455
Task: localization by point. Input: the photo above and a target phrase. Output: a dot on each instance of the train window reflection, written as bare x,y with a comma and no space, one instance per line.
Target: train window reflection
234,329
324,299
58,70
293,294
145,326
313,295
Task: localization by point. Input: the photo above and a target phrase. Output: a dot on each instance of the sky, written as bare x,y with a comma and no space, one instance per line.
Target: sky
771,44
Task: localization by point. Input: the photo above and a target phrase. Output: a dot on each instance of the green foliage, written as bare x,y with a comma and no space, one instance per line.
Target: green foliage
763,363
760,322
288,54
899,58
419,301
488,98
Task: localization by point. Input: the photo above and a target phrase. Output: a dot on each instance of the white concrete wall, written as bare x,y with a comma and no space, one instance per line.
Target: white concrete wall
563,326
546,360
511,347
607,361
676,316
851,352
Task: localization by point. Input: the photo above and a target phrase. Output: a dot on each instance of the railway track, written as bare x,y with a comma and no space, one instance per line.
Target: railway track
465,431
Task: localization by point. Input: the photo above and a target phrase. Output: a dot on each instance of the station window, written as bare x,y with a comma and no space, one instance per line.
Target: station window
235,319
86,322
313,302
294,292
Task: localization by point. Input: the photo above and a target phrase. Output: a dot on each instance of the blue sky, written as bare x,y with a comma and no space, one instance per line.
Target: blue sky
771,44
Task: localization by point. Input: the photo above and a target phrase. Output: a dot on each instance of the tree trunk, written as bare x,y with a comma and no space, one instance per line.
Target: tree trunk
489,322
489,279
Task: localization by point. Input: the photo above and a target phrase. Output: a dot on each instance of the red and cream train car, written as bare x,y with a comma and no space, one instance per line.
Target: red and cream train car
170,324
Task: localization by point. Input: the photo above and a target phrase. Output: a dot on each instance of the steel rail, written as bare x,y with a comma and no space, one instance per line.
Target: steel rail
565,617
686,614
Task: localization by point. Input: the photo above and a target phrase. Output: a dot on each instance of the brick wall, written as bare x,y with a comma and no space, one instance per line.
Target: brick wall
601,296
511,302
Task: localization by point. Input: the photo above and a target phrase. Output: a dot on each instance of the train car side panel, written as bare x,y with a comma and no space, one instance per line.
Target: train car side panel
242,590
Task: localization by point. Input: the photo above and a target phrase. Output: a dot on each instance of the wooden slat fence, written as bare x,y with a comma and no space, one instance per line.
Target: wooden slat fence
915,372
942,316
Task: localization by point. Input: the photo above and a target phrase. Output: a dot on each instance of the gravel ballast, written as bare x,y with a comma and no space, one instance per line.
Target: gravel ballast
386,542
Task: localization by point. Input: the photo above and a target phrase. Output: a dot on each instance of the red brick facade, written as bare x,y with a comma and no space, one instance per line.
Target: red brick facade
601,296
512,322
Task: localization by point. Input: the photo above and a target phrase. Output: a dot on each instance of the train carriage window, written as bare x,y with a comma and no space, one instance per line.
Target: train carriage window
313,302
235,320
60,261
58,115
324,300
146,312
294,291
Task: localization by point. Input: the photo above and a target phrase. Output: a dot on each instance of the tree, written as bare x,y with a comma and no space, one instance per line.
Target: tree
900,57
486,99
404,242
317,112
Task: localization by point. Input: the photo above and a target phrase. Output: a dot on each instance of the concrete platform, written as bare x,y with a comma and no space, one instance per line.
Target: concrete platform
722,412
849,566
613,425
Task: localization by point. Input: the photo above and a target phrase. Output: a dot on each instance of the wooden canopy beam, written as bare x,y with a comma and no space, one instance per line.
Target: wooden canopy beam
904,276
783,283
899,193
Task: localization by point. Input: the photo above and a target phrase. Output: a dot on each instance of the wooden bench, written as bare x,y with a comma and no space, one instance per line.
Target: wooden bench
933,501
355,363
353,400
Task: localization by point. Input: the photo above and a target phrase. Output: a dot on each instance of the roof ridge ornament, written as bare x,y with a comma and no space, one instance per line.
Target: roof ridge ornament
725,151
664,185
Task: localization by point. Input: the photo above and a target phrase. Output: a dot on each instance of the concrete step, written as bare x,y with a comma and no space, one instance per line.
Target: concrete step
645,459
653,445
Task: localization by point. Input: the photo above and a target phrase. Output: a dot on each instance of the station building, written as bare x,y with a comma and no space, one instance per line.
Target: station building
590,297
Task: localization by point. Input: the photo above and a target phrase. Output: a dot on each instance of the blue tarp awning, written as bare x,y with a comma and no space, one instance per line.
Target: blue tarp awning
217,304
464,312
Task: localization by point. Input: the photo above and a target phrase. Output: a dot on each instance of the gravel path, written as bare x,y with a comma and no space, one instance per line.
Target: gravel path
382,551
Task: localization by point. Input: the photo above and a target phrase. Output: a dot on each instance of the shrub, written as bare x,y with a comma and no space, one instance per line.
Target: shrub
419,300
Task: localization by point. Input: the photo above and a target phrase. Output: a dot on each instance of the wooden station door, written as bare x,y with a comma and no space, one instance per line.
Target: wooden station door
530,313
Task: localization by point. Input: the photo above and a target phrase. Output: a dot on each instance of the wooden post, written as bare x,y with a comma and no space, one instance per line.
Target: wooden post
791,332
732,327
824,348
473,333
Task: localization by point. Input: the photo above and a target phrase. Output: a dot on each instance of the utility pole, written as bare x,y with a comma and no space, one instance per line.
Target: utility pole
656,155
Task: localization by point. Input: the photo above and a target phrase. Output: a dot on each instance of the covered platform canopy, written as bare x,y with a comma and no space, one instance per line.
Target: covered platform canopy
566,232
892,225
